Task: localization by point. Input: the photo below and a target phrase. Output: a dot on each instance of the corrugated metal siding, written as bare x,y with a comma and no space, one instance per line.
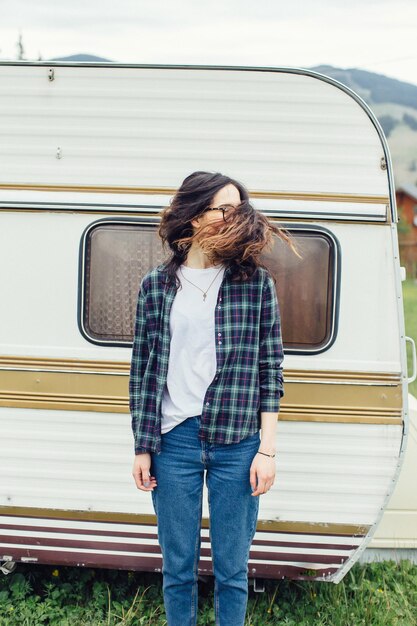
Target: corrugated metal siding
135,546
151,127
326,472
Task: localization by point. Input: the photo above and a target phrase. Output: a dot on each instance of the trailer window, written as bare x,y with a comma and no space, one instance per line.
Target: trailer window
116,256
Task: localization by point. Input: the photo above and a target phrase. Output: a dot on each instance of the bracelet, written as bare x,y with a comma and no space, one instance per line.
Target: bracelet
271,455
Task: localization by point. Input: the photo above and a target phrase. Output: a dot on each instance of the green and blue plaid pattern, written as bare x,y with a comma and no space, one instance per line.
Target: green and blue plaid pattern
249,378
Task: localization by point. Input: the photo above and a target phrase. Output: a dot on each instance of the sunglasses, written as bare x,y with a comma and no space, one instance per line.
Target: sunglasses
226,209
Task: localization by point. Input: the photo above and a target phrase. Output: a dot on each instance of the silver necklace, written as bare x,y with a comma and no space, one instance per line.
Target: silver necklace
204,292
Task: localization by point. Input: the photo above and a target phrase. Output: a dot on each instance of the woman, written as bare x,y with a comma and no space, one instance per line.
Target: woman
206,375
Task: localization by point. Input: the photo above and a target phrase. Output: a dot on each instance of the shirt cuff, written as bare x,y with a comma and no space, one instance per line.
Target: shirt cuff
270,404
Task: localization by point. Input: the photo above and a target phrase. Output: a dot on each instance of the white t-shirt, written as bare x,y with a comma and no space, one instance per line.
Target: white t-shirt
192,359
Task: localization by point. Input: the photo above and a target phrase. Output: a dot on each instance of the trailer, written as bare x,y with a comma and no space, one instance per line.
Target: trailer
91,153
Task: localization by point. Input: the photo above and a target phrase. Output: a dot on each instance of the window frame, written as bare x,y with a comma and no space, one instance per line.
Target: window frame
152,221
336,273
139,221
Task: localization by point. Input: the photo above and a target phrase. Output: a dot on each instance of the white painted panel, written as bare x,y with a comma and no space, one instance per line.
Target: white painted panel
398,526
80,461
153,126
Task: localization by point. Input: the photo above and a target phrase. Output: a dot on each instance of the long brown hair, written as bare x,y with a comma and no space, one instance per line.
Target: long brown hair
238,242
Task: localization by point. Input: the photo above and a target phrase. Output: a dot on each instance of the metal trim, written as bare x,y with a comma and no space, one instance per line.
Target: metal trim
314,528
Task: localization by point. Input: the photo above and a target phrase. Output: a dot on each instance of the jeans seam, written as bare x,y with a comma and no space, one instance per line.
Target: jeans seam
216,603
195,567
252,532
216,595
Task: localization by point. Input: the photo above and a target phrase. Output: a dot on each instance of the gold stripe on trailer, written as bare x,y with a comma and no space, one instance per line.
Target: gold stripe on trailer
315,528
46,364
75,385
169,191
31,363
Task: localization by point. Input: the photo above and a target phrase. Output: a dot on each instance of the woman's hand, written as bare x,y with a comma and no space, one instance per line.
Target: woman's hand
141,467
262,471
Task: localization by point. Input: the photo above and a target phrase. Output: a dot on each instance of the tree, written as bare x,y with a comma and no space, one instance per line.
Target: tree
20,48
403,227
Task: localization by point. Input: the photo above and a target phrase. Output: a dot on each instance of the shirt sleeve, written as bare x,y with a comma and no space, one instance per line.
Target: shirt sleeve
140,355
271,352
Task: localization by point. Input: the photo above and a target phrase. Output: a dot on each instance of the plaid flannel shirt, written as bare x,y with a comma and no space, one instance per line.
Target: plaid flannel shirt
249,352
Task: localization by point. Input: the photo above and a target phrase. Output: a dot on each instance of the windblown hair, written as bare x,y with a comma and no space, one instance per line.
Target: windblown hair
237,243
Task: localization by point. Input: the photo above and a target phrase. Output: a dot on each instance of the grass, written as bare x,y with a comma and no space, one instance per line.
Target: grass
377,594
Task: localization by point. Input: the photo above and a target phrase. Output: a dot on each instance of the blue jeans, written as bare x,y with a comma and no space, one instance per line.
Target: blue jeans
177,500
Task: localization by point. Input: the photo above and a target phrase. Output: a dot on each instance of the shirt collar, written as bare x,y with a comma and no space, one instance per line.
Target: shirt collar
162,268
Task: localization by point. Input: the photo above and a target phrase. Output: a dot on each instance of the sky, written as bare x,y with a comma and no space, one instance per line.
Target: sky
375,35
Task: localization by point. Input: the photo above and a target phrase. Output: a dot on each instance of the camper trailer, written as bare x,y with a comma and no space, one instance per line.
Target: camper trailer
91,153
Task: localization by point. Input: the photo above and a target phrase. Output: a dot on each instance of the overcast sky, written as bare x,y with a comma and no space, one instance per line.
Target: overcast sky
375,35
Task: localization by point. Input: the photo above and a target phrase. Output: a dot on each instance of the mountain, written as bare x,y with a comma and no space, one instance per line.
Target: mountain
394,104
81,57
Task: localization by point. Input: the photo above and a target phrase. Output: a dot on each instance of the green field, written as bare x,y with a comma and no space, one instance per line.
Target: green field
371,594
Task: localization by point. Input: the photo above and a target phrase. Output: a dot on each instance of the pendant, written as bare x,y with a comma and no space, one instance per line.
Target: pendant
204,297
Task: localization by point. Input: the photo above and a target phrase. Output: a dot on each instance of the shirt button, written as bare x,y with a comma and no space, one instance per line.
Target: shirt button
219,307
207,403
219,334
219,342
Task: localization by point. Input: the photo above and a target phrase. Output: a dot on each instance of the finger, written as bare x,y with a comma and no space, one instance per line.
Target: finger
149,482
253,479
137,476
261,487
144,481
145,478
138,480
